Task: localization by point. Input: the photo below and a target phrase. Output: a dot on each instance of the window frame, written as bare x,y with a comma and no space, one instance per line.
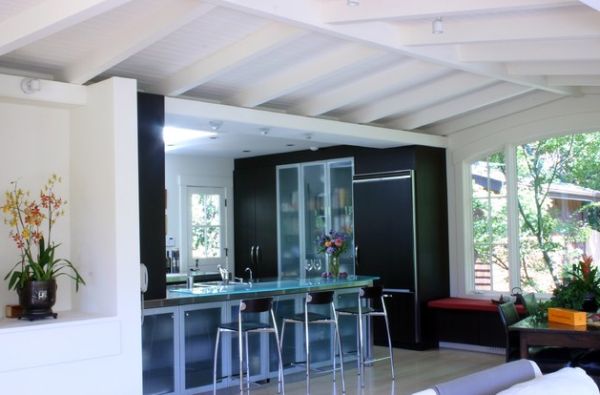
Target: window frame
514,266
207,262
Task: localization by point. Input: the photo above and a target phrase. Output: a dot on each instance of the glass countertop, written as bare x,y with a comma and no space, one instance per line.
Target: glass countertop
214,291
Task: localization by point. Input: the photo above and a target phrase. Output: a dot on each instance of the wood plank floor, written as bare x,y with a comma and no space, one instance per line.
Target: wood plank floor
415,371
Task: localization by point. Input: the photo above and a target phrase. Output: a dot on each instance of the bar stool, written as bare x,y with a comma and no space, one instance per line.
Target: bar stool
244,327
369,294
309,318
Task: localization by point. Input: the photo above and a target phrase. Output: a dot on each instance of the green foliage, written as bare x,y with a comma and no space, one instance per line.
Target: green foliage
42,267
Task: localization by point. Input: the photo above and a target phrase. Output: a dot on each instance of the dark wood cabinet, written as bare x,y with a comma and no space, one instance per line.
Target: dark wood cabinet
255,221
402,234
151,173
401,229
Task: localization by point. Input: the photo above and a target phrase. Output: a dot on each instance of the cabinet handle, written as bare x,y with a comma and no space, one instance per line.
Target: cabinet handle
356,257
258,256
252,255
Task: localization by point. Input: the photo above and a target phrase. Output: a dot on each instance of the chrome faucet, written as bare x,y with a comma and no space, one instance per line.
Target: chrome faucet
224,272
250,280
190,279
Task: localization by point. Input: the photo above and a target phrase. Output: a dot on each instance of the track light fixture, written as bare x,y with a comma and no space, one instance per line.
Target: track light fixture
437,26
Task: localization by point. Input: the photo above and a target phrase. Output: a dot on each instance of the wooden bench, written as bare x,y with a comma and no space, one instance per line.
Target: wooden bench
468,321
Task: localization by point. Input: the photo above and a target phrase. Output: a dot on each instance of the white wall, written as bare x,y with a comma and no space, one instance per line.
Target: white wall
94,347
35,144
199,171
564,116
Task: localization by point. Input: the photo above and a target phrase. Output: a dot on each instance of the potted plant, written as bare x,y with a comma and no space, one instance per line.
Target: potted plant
34,275
581,288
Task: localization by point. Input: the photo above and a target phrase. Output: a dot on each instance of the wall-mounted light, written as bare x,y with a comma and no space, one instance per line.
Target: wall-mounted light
30,85
437,26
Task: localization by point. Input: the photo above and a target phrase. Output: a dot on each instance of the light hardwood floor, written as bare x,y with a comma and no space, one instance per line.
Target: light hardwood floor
415,371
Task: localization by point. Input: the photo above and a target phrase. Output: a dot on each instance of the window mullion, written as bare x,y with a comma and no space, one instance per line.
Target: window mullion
512,216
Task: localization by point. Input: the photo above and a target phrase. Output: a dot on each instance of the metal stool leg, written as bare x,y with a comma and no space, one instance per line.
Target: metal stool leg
280,385
241,356
247,362
215,363
339,346
361,357
307,340
387,327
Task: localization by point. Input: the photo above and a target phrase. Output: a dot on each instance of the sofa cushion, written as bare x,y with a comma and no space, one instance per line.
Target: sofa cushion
490,381
564,381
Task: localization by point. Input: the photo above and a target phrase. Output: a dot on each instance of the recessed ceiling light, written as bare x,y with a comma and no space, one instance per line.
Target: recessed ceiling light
264,131
215,125
352,3
173,136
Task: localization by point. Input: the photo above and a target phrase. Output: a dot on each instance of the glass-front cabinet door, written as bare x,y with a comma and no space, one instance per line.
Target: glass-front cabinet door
315,218
341,214
288,212
313,198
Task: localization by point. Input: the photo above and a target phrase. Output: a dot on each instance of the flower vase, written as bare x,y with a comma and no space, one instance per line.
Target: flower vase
334,266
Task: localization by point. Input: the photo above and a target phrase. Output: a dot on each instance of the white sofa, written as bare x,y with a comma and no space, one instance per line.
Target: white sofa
521,377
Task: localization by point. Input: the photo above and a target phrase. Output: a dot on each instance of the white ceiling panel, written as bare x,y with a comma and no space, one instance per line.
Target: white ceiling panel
377,62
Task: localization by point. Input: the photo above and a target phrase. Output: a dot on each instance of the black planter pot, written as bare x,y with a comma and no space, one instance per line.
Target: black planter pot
37,298
589,304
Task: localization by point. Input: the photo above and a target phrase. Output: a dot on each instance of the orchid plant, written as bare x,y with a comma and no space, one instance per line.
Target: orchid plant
28,220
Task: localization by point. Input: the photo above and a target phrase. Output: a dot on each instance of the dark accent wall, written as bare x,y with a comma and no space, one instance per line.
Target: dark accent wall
151,173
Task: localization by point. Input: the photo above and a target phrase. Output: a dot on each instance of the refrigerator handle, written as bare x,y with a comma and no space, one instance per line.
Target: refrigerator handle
258,256
252,256
356,256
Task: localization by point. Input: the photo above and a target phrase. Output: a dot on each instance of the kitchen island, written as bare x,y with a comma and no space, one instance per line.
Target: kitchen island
179,331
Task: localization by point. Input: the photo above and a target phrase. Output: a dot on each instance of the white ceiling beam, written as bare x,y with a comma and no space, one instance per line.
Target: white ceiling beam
394,78
305,14
459,105
370,10
595,4
499,110
301,75
573,80
570,23
365,135
48,17
412,99
554,68
134,37
262,41
530,51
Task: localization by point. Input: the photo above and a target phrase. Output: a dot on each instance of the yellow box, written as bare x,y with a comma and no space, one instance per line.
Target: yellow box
566,316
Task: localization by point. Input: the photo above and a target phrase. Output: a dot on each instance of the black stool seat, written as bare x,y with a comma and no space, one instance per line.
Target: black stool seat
354,310
246,326
311,317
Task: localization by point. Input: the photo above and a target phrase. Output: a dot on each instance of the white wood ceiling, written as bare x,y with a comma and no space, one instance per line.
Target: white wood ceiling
377,63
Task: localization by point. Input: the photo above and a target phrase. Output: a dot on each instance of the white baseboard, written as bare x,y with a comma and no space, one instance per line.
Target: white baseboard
472,347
